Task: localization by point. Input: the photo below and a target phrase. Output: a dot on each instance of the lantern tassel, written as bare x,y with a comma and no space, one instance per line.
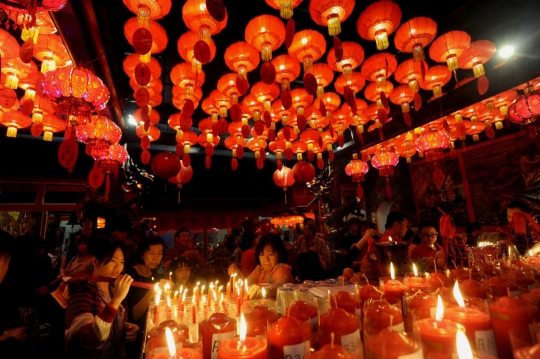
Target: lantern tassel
360,191
179,195
334,25
285,193
107,187
388,189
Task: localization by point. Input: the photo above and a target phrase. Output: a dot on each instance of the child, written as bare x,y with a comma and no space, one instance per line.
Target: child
181,273
426,253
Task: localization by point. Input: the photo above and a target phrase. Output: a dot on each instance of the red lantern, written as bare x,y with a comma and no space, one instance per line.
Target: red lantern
301,100
227,86
233,143
357,169
9,47
331,13
307,47
356,82
165,165
377,21
50,50
131,62
186,49
324,75
285,7
183,76
184,176
526,110
379,67
478,53
303,172
154,9
448,47
432,143
266,33
385,161
287,70
283,178
197,18
353,55
373,92
241,57
414,35
436,77
51,124
402,95
98,133
159,35
14,120
409,72
265,94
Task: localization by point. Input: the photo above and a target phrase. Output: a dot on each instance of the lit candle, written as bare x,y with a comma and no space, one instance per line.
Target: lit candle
380,315
345,328
170,343
156,304
394,288
193,311
194,297
243,347
169,309
463,348
415,283
170,277
175,295
289,338
437,334
215,330
167,288
228,290
246,290
220,288
210,294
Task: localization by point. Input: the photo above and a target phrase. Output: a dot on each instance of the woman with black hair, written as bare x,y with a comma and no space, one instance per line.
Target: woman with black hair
96,315
148,256
81,262
272,270
181,270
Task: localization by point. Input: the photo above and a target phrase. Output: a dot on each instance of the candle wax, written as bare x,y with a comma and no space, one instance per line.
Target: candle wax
437,335
250,348
331,351
381,315
289,336
345,328
391,344
346,301
477,327
509,313
473,288
211,336
394,288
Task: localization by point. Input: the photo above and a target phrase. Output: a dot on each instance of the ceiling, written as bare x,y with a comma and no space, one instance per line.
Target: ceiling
93,33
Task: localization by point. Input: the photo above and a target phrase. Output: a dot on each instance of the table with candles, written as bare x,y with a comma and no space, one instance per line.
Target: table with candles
453,316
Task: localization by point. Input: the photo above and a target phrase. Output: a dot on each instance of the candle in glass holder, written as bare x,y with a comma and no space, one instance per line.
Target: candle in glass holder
509,313
473,288
258,318
392,344
393,288
289,338
305,312
244,347
213,331
345,328
175,347
437,334
500,287
380,315
347,301
477,324
414,281
331,351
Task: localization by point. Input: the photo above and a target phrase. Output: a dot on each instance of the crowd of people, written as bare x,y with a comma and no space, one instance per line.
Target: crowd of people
105,314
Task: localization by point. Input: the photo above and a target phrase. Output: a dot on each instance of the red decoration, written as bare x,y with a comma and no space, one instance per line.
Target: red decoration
377,21
303,172
414,35
165,165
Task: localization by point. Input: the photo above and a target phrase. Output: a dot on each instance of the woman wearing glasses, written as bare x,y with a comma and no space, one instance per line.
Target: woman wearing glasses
427,252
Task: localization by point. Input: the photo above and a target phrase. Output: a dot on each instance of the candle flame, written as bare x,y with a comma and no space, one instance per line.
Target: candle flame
415,270
202,289
156,287
440,309
158,295
531,253
458,296
233,275
215,296
181,287
389,239
463,347
168,302
170,342
167,286
220,288
204,299
211,286
392,274
243,328
246,286
170,273
193,300
184,295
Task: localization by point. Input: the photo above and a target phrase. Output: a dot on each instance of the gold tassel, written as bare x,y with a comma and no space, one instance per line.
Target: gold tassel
285,9
334,25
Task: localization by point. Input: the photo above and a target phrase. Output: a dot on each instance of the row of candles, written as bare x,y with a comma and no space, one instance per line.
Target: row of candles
409,304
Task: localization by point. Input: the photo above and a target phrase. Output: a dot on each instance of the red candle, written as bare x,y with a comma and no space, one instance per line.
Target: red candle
258,319
391,344
437,334
381,315
289,338
243,347
331,351
213,331
413,281
347,301
414,300
370,292
345,328
393,288
509,313
305,312
473,288
438,280
500,287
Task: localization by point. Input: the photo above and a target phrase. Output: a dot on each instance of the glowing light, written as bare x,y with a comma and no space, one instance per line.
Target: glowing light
281,67
506,51
415,271
304,41
202,7
390,239
172,346
263,29
392,274
463,346
264,293
458,296
243,328
131,120
440,309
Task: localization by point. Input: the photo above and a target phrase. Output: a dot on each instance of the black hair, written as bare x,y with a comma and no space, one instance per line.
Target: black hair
276,243
394,217
518,204
145,244
311,227
424,224
473,226
6,244
181,230
247,240
353,220
179,262
307,219
309,266
230,242
103,248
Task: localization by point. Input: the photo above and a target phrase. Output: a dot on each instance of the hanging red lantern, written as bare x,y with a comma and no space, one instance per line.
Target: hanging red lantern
406,148
186,48
14,120
355,82
180,96
165,165
258,147
300,100
197,18
188,139
278,147
478,53
385,161
526,110
285,7
432,143
353,55
310,137
287,70
52,124
328,139
183,76
503,101
307,47
357,169
50,50
132,61
184,176
265,94
154,9
283,178
98,133
303,172
15,70
242,58
266,33
402,95
331,13
409,72
448,47
159,35
379,67
436,77
324,75
373,92
414,35
233,143
9,47
377,21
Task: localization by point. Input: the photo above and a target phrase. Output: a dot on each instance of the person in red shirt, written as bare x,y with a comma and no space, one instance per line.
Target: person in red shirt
427,252
396,226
